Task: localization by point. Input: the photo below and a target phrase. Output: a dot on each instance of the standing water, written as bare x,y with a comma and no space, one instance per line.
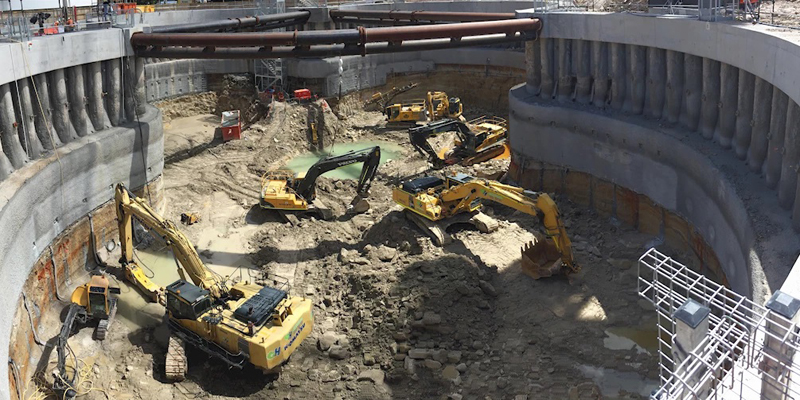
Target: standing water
301,163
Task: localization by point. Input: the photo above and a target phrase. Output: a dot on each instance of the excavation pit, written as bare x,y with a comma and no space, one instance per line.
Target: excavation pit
433,320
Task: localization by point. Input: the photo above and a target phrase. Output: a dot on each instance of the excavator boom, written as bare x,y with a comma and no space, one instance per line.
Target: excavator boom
129,206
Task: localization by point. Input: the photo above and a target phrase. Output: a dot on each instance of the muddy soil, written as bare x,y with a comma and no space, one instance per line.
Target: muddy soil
395,316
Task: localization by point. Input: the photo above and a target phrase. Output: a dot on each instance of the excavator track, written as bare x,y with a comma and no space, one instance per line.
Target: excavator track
105,324
438,230
490,153
175,368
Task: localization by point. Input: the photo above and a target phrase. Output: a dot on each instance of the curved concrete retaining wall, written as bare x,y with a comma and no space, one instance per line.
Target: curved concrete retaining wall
63,88
73,121
620,73
43,199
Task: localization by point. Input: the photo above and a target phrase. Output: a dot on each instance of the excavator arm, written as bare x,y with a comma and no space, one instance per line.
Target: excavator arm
63,382
129,206
463,190
419,139
371,157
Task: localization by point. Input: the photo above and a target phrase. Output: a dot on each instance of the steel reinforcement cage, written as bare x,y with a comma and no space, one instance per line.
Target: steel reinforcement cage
746,353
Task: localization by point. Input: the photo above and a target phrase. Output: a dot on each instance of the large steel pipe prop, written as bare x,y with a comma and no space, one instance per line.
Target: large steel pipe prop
360,36
329,50
430,16
263,22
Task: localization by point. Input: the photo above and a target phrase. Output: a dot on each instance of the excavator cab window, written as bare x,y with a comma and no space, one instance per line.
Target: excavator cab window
187,301
454,102
201,306
97,301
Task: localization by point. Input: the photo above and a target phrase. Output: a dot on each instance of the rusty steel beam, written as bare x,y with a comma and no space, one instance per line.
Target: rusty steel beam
328,50
432,16
360,36
269,21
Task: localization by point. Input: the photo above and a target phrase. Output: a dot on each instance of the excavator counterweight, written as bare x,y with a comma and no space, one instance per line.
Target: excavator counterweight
431,202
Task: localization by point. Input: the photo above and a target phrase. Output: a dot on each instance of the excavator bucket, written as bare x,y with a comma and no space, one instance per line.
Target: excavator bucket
358,205
540,258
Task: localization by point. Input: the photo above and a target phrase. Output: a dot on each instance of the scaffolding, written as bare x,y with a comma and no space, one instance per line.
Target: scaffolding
269,73
747,351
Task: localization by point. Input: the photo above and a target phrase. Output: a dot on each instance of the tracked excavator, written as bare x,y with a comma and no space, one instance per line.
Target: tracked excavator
93,301
441,106
380,100
434,204
435,106
237,324
296,192
479,140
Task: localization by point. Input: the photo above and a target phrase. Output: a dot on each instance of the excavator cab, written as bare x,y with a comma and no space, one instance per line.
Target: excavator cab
455,108
187,301
95,297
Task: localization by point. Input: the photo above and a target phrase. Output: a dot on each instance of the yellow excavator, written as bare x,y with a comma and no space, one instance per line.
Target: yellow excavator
245,322
379,100
434,204
479,140
93,301
441,106
435,106
296,192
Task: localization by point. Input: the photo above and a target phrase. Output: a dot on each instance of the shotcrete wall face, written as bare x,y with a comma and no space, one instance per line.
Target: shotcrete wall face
67,135
656,120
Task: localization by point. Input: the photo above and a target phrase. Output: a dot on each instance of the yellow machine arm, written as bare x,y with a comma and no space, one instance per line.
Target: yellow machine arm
459,197
128,206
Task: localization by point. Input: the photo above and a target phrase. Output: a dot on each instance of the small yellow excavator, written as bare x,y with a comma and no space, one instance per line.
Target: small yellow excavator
479,140
435,106
379,100
434,204
246,322
93,301
441,106
287,191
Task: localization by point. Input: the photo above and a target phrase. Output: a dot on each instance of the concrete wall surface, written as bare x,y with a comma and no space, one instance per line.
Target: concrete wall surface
717,129
453,6
191,16
361,73
669,167
766,52
41,200
172,78
48,53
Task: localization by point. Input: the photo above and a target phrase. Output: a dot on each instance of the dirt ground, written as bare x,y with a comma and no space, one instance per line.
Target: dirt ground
395,316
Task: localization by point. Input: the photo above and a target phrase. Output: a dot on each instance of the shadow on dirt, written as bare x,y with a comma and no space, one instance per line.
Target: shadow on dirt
204,374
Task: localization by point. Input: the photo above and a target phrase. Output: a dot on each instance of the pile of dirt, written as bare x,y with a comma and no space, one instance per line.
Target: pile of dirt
187,106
